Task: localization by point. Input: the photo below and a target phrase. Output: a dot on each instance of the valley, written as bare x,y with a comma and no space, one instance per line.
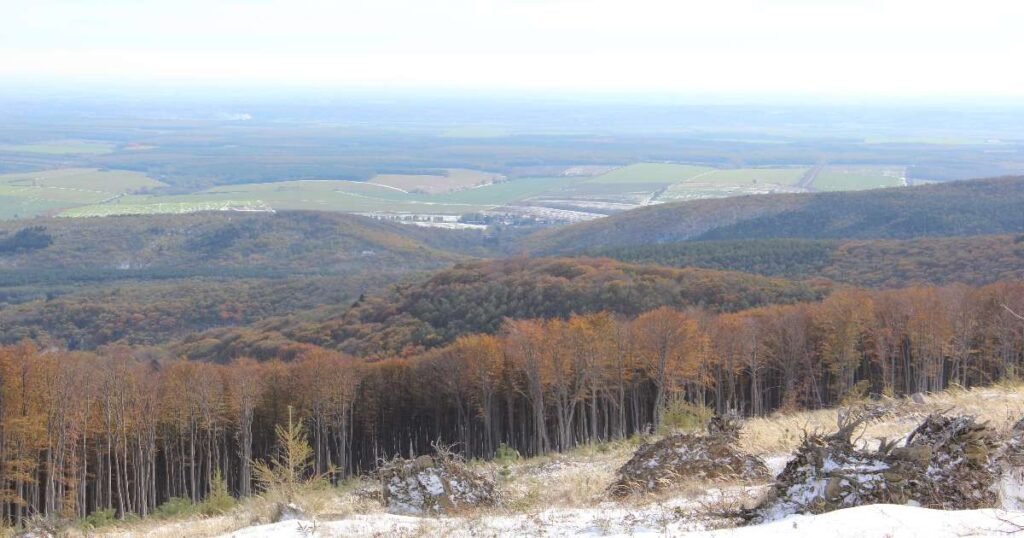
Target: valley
312,269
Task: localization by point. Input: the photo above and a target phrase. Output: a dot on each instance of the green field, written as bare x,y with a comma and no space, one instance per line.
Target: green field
78,192
45,192
735,182
750,176
18,207
115,181
108,210
854,178
337,195
671,182
652,173
453,179
61,147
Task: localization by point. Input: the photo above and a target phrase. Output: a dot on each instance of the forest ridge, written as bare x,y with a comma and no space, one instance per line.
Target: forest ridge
384,339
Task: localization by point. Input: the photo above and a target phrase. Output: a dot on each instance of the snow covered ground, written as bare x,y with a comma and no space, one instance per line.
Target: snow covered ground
861,522
680,516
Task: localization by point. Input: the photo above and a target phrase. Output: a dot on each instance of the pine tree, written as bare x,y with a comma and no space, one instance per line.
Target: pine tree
285,475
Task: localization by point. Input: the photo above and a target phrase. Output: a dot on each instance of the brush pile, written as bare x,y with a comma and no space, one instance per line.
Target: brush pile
439,484
947,462
684,457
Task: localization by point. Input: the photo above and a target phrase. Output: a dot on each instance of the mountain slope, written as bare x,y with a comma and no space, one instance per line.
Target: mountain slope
990,206
874,263
84,283
476,297
183,245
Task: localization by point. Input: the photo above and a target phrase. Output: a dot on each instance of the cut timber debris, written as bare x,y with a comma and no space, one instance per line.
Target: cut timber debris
684,457
947,462
1011,468
433,485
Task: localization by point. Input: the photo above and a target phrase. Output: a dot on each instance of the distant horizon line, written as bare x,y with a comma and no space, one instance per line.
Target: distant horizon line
36,89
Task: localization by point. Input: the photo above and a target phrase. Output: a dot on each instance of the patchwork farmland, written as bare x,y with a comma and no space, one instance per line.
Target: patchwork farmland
567,197
60,147
47,192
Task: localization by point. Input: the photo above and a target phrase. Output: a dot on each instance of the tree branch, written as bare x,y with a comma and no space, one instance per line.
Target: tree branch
1016,315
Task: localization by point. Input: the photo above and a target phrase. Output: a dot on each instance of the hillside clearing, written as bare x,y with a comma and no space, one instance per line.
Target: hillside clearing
565,494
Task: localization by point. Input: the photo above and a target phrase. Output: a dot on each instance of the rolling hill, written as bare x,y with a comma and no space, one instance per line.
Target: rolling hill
961,208
872,263
85,283
215,244
477,296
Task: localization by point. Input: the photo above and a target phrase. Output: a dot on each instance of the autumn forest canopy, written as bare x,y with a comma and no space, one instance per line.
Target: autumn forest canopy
150,358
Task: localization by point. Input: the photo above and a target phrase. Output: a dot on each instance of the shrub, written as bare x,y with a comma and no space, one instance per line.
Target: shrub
99,519
506,454
857,393
220,500
680,415
175,507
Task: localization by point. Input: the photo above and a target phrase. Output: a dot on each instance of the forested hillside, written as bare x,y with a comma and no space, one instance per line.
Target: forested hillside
878,263
336,316
153,313
83,283
477,297
86,432
57,250
961,208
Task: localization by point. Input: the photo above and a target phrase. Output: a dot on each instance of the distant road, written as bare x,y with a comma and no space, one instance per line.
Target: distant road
807,181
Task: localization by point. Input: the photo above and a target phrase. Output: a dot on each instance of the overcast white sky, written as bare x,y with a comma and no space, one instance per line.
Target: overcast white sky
819,47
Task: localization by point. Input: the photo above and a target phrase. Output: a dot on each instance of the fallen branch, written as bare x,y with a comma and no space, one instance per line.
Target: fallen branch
1014,314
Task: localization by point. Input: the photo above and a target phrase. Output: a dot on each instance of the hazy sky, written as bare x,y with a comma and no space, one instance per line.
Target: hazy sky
818,47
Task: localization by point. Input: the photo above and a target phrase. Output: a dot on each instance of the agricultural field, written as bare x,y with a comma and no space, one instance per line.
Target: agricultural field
735,182
343,196
40,193
453,179
78,192
648,183
18,207
854,178
663,173
60,147
163,208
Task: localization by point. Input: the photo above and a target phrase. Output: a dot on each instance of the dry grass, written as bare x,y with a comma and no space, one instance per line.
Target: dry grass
323,504
1001,406
577,478
198,527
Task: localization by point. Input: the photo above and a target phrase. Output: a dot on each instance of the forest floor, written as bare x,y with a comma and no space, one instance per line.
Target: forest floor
566,494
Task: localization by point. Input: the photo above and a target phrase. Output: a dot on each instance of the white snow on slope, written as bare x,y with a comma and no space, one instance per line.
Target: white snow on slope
884,520
860,522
